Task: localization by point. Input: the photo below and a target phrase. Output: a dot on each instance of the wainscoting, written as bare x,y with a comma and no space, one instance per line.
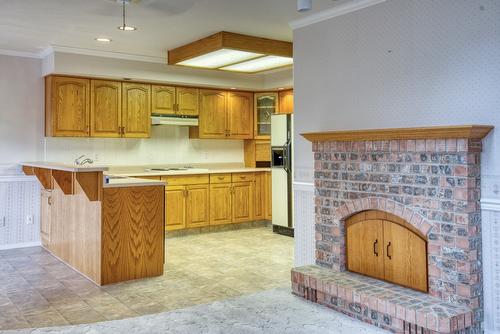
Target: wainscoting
304,223
19,198
490,205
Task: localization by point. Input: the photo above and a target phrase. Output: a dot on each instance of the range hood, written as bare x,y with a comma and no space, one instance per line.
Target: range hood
174,120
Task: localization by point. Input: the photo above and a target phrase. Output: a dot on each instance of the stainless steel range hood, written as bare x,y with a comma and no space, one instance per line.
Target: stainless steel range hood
174,120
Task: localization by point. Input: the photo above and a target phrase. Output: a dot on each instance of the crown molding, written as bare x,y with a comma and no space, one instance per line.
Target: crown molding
15,53
108,54
333,12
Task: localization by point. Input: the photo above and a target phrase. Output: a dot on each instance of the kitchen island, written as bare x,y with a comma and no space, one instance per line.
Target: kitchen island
109,232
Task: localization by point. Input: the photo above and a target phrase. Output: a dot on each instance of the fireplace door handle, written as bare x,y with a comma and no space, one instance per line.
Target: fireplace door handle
375,251
389,256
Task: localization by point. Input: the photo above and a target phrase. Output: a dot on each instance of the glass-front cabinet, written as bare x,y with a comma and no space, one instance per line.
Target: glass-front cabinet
266,104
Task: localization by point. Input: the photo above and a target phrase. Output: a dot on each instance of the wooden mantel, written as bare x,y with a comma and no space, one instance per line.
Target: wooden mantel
434,132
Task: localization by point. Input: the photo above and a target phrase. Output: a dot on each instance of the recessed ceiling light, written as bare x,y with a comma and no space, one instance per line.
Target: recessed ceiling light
281,88
260,64
103,39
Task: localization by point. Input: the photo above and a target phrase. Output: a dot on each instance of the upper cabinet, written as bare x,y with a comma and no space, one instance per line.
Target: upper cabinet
67,107
266,104
77,107
225,115
136,110
105,108
286,102
169,100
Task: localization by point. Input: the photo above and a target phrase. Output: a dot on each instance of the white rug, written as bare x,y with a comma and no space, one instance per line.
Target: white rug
274,311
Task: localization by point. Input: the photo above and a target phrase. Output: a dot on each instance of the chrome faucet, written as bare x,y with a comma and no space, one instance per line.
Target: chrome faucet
84,161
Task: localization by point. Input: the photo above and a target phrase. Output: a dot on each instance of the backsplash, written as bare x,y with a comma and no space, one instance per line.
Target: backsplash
167,145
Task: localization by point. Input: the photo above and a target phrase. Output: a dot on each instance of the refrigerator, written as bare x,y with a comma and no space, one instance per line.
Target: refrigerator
281,170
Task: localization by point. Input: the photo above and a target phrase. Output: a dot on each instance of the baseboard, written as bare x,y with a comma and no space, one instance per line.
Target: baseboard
217,228
21,245
283,230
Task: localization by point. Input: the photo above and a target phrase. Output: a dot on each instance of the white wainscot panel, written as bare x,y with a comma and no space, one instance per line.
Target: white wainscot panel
19,199
304,223
490,204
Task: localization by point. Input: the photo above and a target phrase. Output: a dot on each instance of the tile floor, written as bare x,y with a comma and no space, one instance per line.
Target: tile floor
37,290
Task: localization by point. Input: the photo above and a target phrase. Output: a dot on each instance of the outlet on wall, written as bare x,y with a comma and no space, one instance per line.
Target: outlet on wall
29,219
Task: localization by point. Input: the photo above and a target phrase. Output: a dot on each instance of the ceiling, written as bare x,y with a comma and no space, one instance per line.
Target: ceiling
34,25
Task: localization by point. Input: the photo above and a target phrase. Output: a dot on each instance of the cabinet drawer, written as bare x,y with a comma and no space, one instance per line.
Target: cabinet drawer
239,177
220,178
176,180
262,151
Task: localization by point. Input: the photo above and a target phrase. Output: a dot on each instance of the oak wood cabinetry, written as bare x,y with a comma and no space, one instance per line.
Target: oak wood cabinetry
257,153
268,195
285,102
232,200
45,216
186,202
221,203
260,191
386,247
136,110
105,108
67,107
170,100
224,115
78,107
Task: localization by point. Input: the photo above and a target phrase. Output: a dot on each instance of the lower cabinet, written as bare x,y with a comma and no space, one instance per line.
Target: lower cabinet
216,199
186,206
268,196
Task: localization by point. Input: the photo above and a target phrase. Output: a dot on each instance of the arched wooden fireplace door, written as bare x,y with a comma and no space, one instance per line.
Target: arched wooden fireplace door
384,246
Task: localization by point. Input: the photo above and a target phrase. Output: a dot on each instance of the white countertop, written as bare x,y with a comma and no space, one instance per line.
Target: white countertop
190,171
131,182
65,167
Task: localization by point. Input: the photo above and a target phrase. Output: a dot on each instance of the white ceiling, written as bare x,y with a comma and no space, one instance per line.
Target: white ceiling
34,25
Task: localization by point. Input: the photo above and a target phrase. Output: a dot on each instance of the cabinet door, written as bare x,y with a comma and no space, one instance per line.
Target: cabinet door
269,196
266,104
136,110
286,102
67,107
243,202
197,205
187,101
162,100
405,259
240,115
46,217
213,122
220,203
365,248
105,108
175,208
259,189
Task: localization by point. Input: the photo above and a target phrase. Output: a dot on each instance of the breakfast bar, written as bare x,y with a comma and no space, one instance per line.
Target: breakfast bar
110,231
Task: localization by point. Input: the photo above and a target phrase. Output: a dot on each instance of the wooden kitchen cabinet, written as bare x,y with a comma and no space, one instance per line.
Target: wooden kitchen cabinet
170,100
266,104
198,206
105,109
386,247
163,100
285,102
136,110
221,203
67,107
175,208
240,115
259,198
213,114
225,115
268,195
243,201
46,217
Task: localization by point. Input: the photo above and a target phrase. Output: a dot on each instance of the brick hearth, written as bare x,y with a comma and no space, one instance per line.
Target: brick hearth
434,185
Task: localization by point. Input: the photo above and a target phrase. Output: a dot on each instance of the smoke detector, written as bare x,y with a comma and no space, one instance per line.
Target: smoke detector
304,5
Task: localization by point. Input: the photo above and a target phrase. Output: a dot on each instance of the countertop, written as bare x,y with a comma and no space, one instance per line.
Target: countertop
65,167
123,182
191,171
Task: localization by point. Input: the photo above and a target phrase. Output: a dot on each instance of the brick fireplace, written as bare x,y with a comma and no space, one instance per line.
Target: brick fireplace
403,201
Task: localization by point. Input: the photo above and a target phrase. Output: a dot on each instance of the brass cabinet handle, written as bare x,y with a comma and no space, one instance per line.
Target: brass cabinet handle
220,178
123,130
243,177
389,256
375,248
